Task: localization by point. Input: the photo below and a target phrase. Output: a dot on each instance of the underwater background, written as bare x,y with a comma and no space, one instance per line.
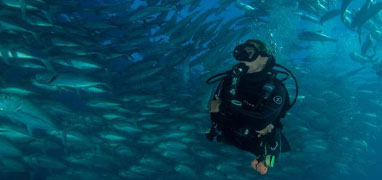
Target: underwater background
115,89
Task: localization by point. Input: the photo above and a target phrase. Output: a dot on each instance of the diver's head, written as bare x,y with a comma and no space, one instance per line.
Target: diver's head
250,51
253,53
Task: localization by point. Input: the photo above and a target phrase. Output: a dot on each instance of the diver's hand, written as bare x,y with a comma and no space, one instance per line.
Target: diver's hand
210,134
265,131
214,106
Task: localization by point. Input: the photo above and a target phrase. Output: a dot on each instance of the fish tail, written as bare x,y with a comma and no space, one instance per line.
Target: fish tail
48,65
359,31
4,54
52,79
63,138
321,21
375,51
30,130
23,8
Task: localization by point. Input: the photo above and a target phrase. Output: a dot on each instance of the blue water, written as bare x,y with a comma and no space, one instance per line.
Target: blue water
142,112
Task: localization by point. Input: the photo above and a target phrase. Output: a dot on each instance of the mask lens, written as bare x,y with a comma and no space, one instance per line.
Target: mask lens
241,54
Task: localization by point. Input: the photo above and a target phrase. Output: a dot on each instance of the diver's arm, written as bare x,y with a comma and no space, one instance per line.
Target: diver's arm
218,101
215,106
222,87
218,91
269,113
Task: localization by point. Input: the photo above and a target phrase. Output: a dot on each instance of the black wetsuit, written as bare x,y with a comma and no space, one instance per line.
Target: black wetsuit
238,125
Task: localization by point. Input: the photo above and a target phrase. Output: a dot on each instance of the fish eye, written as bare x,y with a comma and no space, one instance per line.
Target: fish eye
5,97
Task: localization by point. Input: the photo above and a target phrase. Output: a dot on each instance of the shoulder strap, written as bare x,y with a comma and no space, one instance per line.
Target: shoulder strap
287,105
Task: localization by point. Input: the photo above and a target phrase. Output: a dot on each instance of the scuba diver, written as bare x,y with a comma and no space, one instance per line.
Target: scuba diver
248,104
